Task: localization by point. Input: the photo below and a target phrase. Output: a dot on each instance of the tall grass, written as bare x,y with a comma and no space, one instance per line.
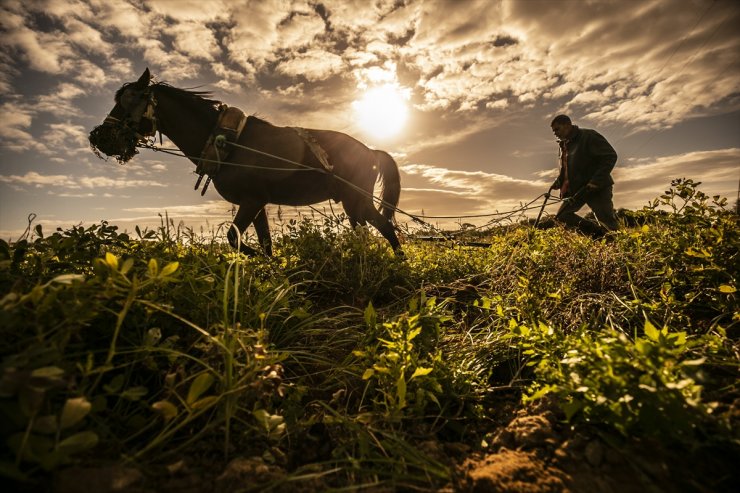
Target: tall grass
338,363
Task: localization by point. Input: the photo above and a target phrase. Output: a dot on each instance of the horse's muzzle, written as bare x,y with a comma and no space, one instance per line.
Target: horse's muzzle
117,141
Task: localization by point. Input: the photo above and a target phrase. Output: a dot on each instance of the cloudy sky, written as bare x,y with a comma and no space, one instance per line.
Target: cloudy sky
467,90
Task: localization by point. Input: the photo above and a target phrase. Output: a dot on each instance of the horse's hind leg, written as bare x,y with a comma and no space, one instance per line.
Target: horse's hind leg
354,213
384,226
361,211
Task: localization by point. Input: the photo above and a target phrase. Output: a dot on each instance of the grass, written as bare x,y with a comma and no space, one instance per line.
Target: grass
338,363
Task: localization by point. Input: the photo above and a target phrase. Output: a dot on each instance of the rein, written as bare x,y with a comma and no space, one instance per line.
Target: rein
304,167
218,142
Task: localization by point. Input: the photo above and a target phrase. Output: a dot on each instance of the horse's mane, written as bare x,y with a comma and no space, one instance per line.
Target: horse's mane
258,119
203,98
200,97
191,96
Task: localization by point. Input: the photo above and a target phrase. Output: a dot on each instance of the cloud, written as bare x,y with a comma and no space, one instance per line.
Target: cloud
68,137
8,72
612,66
209,208
38,180
444,192
123,17
85,37
312,65
90,195
18,120
264,29
646,179
15,128
194,40
230,80
617,66
60,101
35,179
191,10
464,192
41,51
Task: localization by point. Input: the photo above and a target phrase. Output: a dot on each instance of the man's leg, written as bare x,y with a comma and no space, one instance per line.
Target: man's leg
601,203
567,212
567,215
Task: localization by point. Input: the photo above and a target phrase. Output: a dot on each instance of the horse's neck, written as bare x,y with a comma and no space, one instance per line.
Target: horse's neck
187,126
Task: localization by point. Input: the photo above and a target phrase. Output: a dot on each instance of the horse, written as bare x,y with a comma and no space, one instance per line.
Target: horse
251,162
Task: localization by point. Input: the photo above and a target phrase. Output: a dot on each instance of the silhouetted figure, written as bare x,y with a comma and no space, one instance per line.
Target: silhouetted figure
586,162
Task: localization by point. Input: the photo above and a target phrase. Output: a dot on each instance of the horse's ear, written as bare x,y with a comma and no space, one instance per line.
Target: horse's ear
143,81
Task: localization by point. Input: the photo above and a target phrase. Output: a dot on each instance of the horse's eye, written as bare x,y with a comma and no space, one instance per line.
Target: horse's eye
129,99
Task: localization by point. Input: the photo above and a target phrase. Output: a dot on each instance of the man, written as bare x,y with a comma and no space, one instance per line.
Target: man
586,162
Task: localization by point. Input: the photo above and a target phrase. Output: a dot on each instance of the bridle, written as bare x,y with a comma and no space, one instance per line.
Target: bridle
133,122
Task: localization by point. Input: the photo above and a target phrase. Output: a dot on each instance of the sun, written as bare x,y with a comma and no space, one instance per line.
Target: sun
382,111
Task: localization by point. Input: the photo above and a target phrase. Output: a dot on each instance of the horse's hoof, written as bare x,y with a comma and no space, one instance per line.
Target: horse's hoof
248,251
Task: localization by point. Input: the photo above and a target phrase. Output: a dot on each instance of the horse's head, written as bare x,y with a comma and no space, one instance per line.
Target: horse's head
130,121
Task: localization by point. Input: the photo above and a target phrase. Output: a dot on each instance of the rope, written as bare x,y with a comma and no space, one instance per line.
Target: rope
304,167
178,153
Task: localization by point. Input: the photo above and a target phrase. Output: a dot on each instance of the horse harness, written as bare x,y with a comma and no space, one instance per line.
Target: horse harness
228,129
314,147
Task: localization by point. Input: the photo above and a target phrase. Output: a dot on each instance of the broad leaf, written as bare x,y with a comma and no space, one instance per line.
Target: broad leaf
201,383
74,411
169,269
651,332
111,260
420,372
79,442
166,409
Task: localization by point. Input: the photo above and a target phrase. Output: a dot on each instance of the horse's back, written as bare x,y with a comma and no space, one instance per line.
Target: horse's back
284,148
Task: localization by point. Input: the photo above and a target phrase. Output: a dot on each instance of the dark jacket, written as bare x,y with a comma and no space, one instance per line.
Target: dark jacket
590,159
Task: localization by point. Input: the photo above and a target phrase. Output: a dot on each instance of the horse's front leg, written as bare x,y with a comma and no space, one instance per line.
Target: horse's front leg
263,231
244,217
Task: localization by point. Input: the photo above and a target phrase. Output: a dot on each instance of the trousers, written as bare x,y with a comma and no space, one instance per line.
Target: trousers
600,202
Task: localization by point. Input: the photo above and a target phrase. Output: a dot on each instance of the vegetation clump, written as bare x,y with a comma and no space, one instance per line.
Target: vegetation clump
336,363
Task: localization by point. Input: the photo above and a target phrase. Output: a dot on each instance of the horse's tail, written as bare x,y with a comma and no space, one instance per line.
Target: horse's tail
391,183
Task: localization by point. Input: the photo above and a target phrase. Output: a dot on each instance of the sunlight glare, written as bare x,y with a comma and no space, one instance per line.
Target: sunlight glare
382,111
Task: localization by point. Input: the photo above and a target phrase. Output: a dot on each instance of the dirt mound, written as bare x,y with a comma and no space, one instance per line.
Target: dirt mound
537,452
513,471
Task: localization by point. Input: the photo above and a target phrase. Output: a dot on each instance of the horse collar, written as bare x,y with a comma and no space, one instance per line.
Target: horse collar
228,129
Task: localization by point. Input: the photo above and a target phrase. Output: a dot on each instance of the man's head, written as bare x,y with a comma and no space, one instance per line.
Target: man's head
562,127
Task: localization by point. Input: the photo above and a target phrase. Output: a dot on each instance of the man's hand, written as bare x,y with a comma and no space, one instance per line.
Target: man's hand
591,186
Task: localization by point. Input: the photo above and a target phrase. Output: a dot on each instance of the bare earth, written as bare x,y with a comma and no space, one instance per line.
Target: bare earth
531,450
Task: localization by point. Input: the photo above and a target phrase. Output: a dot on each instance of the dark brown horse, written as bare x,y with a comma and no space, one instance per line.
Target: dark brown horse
264,165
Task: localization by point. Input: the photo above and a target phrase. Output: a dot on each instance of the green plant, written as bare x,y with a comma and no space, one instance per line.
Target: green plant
648,386
697,243
167,343
51,425
403,360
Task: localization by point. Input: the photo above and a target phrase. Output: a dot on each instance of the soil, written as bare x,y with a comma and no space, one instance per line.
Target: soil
529,449
536,452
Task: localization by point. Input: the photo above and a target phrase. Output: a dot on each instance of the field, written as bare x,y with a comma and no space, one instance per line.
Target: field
548,361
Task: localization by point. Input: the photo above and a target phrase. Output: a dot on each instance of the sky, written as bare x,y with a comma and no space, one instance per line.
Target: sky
465,92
